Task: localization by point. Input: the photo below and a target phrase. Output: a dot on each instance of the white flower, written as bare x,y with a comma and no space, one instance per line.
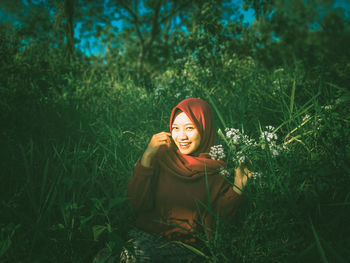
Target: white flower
276,149
247,141
274,152
224,172
327,107
177,95
242,159
233,134
269,128
256,175
318,123
268,134
217,152
158,91
239,157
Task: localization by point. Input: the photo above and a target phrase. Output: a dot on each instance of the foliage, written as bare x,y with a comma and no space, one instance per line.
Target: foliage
73,128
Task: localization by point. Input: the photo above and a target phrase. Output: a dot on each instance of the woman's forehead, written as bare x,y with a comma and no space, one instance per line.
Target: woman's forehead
181,118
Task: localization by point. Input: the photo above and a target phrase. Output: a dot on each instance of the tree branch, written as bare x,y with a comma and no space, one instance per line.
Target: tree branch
155,24
135,20
172,13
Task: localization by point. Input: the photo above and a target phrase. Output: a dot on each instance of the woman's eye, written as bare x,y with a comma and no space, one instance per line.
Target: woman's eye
174,128
189,128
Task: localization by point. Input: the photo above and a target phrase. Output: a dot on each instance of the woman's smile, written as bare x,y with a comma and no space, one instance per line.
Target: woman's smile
184,145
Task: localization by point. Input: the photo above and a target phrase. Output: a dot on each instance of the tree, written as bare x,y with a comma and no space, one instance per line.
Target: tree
309,31
147,29
49,23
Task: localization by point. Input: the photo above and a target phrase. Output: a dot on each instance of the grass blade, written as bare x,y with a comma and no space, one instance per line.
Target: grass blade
292,98
221,118
318,244
193,249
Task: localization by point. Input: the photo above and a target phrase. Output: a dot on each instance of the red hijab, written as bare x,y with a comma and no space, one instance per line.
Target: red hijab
198,163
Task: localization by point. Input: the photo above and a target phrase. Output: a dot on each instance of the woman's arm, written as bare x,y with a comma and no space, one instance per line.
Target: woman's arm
141,187
157,140
228,201
230,198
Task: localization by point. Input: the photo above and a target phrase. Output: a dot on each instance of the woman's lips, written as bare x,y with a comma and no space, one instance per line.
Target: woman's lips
184,145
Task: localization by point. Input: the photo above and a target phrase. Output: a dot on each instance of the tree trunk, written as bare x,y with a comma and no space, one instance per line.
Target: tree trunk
69,13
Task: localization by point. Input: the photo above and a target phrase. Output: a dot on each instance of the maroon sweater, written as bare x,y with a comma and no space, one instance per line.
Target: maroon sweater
177,207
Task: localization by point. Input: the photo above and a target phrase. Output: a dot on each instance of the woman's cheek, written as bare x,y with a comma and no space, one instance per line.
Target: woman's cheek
195,135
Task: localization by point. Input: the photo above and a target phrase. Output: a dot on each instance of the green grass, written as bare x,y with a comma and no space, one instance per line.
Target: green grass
66,162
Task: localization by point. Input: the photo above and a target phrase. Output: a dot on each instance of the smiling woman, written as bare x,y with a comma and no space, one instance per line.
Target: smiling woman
173,185
185,134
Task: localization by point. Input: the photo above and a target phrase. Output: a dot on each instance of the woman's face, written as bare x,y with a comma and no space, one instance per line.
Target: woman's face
185,134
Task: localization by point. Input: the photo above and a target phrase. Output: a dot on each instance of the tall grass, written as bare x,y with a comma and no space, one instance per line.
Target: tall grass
66,161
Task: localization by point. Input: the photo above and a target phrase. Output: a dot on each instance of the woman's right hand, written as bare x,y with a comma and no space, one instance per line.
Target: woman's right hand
242,174
157,140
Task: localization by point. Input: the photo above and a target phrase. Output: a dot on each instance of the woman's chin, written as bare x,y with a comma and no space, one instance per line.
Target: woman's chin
185,151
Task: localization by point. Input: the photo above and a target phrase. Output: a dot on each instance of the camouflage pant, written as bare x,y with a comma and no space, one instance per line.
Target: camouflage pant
145,248
154,248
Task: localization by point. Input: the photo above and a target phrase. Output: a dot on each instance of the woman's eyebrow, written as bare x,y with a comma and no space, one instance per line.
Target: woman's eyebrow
186,124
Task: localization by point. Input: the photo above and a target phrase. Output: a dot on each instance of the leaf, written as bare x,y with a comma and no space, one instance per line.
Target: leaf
193,249
113,202
6,244
97,231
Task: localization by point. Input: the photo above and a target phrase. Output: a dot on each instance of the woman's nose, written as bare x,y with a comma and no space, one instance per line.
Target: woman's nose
182,134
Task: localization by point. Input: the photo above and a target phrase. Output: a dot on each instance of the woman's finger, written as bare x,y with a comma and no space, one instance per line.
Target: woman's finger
168,138
165,141
162,135
250,174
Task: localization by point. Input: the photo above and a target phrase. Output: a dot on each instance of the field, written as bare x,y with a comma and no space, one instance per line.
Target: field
70,136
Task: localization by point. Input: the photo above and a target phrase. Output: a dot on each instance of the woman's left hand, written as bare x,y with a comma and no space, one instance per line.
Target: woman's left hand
241,177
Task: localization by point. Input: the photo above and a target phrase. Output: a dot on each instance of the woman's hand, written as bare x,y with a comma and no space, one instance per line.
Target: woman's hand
157,140
241,177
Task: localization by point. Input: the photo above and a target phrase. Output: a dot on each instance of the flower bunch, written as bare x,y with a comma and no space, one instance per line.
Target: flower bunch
241,148
270,137
224,172
268,134
238,137
217,152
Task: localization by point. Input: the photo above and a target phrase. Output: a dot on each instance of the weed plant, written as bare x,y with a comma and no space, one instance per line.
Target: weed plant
68,148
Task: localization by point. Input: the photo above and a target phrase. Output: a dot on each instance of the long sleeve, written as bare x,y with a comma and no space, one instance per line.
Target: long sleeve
140,188
228,202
